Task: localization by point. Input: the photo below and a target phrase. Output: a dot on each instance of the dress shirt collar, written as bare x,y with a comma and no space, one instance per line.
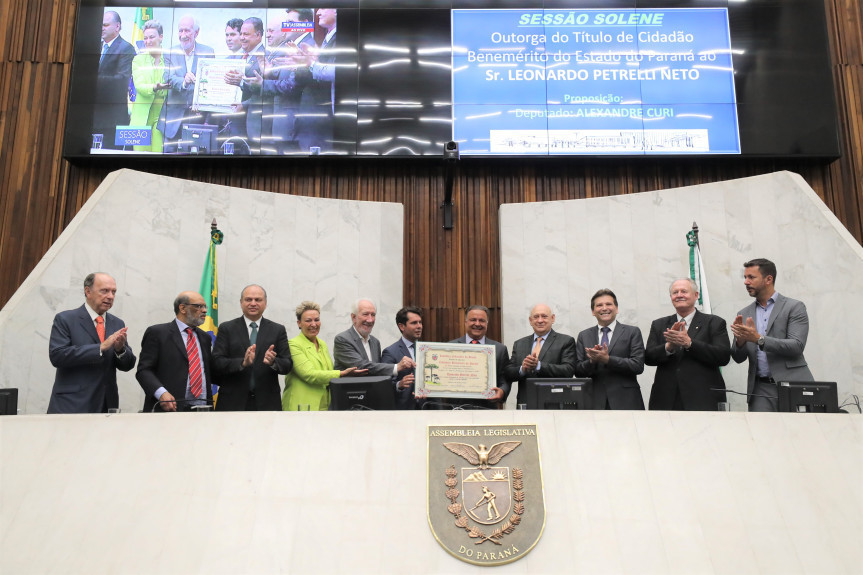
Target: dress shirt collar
408,343
181,325
771,300
93,314
249,322
611,327
468,339
364,339
687,319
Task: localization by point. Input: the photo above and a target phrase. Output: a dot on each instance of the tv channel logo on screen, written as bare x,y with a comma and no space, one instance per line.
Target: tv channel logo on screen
298,26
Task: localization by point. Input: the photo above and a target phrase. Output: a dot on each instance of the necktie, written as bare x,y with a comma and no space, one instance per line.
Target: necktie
411,350
253,339
474,341
100,327
104,49
537,346
604,331
195,378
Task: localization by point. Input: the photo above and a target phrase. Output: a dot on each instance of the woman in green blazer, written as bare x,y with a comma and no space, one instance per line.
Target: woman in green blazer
148,73
306,385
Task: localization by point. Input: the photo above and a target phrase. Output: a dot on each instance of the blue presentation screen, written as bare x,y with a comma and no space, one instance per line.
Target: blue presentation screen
593,82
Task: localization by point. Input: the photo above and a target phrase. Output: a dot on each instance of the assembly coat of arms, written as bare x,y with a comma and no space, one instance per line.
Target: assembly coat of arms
486,504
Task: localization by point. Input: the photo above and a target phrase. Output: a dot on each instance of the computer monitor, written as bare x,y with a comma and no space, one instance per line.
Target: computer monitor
372,393
198,139
9,401
558,393
808,397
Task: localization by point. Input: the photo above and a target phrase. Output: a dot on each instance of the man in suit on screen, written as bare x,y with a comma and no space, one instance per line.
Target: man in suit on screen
112,82
174,368
687,348
182,67
771,333
612,355
249,354
544,353
410,323
87,346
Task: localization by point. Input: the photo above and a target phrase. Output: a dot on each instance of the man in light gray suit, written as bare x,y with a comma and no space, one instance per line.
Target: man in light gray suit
612,354
88,345
357,347
771,333
182,65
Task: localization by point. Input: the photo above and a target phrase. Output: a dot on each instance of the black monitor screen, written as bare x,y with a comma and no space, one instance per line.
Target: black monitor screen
499,78
9,401
562,393
362,393
808,397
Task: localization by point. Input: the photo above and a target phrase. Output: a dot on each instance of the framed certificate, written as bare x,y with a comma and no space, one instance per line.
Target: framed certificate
212,93
455,370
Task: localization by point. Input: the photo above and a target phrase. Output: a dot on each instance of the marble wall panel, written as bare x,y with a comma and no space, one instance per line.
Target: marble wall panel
152,234
635,245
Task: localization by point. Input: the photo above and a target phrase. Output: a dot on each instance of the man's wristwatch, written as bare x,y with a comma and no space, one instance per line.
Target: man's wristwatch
761,341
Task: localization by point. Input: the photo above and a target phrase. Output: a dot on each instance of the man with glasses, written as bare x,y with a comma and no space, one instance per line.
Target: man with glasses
174,366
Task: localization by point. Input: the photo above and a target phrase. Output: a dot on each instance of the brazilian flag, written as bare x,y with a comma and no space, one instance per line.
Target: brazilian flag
210,290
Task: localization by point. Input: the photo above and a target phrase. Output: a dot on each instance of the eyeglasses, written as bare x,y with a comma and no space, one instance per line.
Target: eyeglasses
197,305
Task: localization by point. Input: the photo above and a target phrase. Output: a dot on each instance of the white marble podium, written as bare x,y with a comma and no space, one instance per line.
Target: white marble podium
626,492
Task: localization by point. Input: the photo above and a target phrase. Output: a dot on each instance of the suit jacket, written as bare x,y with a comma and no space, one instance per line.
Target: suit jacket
501,357
615,381
164,363
308,383
253,101
348,352
787,330
314,125
404,397
234,380
179,98
86,381
557,359
694,371
112,90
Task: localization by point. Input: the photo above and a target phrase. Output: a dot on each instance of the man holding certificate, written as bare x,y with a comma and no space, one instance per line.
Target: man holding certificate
476,326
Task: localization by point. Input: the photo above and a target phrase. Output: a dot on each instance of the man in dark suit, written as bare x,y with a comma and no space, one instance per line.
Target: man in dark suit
316,76
357,347
476,326
544,353
771,333
251,35
88,346
249,355
174,367
612,355
410,323
112,81
688,349
182,65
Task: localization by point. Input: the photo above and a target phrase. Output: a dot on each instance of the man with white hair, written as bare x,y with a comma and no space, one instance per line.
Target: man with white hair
687,348
357,347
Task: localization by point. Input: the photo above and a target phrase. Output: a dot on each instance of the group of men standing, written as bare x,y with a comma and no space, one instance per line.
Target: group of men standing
177,367
287,83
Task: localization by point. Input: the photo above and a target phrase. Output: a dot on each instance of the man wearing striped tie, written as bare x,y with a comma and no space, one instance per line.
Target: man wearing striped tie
174,366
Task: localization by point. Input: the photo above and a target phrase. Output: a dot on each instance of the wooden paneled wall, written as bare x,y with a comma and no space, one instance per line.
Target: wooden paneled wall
444,270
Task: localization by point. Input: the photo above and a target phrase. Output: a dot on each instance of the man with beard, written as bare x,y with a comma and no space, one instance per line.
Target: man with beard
174,366
771,333
357,347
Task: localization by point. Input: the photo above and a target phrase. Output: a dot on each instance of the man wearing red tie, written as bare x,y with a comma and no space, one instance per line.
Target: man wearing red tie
174,368
88,346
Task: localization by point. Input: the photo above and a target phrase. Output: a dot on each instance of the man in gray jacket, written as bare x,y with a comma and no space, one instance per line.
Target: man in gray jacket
771,333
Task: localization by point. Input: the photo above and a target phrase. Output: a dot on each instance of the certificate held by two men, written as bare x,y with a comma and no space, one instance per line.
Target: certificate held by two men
455,370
